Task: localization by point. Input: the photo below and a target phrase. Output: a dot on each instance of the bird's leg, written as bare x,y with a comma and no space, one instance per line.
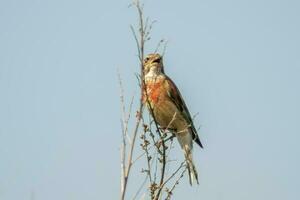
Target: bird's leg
165,131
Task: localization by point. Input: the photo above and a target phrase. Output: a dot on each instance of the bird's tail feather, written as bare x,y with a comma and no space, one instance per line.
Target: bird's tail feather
193,175
186,143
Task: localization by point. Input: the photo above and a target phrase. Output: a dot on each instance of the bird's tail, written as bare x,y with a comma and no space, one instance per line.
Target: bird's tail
193,175
186,143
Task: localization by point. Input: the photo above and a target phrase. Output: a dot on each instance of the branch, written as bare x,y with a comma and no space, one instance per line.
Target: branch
140,47
170,192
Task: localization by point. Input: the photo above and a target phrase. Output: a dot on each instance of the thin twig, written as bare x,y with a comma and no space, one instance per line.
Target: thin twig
136,41
170,192
165,47
158,45
176,171
123,146
161,184
128,118
148,157
140,188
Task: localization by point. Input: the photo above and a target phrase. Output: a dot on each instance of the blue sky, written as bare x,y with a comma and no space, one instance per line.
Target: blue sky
236,62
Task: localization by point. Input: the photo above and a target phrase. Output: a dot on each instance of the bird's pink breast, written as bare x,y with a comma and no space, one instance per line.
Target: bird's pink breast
155,91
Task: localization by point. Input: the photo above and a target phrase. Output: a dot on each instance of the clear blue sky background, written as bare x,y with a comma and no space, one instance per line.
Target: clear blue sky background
236,62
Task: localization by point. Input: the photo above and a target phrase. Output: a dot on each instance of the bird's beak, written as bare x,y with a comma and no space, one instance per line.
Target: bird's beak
157,60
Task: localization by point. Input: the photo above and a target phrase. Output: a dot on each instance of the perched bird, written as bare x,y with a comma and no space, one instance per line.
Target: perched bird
170,112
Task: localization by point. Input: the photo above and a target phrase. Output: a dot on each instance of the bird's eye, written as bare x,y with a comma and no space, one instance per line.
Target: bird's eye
146,59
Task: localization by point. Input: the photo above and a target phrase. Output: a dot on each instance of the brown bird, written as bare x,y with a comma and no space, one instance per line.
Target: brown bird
169,109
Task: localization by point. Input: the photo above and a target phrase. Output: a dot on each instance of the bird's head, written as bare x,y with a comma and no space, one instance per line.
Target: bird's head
153,63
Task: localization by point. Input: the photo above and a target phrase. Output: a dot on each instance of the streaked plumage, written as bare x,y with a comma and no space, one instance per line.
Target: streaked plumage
169,108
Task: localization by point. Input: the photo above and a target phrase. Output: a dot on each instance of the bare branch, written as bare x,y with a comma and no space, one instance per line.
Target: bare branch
158,45
128,118
170,192
123,146
140,188
136,41
176,171
165,47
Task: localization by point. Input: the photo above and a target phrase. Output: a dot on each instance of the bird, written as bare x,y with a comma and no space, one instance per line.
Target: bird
167,107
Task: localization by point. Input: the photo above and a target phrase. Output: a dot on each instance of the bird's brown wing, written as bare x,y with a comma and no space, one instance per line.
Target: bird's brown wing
177,99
